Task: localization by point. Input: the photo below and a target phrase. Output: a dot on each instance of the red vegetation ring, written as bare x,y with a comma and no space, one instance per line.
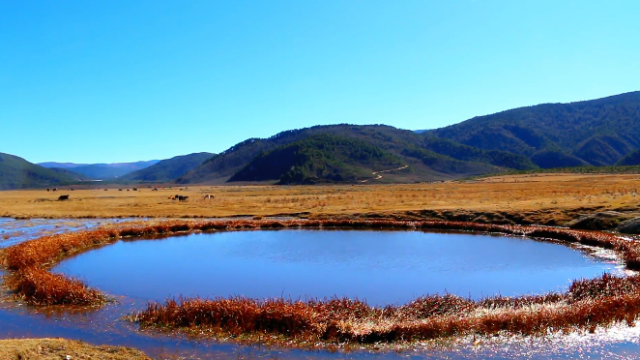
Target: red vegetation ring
587,304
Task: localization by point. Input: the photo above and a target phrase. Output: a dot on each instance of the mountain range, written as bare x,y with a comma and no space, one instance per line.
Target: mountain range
101,171
600,132
596,132
17,173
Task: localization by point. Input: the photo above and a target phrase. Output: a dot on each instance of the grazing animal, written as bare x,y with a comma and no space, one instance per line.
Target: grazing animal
47,190
135,189
119,189
182,198
105,190
55,189
209,197
63,197
155,189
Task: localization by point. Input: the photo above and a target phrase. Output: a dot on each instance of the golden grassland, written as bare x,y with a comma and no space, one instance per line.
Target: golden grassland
587,304
57,349
517,194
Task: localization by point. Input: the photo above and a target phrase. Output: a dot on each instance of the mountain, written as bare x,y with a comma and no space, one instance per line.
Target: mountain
596,132
468,153
102,171
319,158
168,170
633,158
222,166
58,165
548,159
17,173
251,160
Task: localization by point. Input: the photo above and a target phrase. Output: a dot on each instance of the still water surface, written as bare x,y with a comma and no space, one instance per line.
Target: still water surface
379,267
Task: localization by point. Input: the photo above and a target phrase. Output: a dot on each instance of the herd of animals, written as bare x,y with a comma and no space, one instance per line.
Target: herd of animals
172,197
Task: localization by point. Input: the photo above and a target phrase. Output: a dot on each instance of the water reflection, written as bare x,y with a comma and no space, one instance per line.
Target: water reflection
380,267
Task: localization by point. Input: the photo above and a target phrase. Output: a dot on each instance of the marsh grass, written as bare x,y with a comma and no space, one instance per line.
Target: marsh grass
344,320
40,287
588,303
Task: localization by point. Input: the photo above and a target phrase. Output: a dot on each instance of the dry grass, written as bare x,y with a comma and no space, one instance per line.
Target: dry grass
352,321
57,349
511,194
588,303
40,287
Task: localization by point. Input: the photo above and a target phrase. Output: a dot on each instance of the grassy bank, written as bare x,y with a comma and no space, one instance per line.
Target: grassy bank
587,304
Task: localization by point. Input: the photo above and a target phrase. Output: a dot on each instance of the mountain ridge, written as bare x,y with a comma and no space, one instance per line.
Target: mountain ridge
168,169
18,173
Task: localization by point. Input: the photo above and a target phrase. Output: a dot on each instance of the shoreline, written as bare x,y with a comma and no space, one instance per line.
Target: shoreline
28,275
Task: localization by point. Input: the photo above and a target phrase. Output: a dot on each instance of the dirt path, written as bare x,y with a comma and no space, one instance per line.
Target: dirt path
378,176
386,171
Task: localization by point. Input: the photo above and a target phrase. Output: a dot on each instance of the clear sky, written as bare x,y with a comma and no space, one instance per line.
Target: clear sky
114,81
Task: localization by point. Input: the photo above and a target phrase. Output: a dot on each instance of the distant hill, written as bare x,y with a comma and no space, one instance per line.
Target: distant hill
319,158
17,173
633,158
102,171
58,165
468,153
408,147
548,159
222,166
596,132
168,170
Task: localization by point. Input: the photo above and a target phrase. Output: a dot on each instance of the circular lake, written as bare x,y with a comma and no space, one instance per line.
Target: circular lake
381,267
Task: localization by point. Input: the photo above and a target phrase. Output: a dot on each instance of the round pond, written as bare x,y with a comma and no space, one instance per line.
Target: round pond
381,267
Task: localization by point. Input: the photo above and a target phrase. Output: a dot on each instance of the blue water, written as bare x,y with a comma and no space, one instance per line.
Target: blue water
14,231
379,267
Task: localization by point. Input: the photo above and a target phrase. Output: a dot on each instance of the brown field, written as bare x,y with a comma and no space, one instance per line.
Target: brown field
57,349
539,198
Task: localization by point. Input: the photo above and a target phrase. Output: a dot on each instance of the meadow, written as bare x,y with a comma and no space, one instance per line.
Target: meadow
551,199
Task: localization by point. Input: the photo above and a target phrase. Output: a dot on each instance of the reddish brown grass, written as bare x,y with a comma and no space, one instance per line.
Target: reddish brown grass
586,304
345,320
40,287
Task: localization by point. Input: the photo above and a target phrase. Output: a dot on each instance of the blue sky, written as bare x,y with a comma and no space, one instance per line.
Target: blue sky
115,81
